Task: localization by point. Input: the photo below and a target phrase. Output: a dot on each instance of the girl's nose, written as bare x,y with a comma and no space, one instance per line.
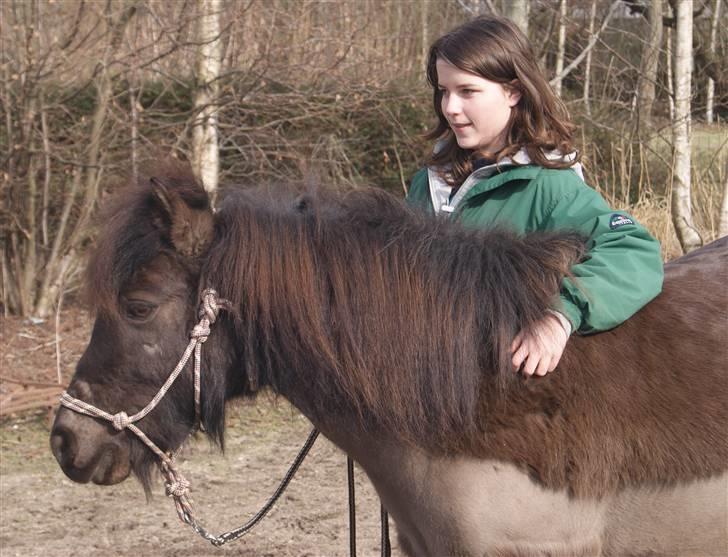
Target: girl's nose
451,105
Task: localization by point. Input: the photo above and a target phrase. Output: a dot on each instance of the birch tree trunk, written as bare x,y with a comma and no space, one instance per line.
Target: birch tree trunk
587,64
681,204
710,90
561,48
723,223
205,154
424,15
517,12
669,62
648,73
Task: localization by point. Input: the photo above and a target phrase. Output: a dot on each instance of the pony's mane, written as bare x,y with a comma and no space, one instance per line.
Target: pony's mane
133,231
375,310
367,307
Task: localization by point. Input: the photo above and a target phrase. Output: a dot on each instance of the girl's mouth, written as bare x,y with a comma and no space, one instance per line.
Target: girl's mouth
460,127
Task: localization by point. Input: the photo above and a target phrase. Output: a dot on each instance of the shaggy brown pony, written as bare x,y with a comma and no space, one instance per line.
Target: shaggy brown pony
380,323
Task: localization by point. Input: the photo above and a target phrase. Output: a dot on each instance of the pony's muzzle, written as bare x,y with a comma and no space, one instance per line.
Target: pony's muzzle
87,452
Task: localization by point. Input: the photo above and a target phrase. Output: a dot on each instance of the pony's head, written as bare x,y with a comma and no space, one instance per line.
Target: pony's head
143,283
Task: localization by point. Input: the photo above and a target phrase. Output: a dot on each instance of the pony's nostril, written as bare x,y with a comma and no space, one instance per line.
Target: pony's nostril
64,446
90,456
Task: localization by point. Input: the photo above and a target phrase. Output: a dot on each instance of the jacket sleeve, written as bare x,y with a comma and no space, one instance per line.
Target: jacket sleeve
622,270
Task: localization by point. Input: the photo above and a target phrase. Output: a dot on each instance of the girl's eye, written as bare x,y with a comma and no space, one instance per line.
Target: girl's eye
138,310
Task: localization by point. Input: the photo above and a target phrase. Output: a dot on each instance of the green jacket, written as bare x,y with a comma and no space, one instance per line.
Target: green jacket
623,268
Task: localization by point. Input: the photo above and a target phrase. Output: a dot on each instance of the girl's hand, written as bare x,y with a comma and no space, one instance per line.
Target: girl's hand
540,351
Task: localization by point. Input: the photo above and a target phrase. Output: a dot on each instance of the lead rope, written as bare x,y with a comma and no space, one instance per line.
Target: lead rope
352,506
386,547
245,528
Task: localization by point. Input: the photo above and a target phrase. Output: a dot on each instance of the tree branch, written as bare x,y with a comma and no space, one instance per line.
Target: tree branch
592,41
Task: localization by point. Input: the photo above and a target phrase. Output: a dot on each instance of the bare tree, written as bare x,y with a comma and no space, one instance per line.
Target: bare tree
205,152
517,11
587,63
593,39
558,79
681,190
648,69
65,255
41,246
424,19
710,88
723,222
669,77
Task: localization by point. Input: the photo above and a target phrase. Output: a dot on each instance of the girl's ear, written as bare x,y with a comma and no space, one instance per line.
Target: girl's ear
513,92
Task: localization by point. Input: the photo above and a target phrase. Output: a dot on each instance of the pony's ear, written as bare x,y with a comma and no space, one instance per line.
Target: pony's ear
189,223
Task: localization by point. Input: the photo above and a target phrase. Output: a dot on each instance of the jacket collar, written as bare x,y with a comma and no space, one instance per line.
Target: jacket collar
489,177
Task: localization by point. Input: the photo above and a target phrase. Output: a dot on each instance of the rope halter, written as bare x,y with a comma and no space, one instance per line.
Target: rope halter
176,485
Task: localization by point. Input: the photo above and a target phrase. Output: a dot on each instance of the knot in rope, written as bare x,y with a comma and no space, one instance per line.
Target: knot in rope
121,421
210,306
201,331
177,488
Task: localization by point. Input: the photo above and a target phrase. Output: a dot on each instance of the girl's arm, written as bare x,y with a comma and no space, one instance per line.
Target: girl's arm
622,270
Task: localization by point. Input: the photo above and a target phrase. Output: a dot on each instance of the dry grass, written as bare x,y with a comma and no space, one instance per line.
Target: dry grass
654,213
638,179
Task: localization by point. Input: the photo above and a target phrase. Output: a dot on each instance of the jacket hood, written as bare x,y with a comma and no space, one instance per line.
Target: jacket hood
440,191
519,159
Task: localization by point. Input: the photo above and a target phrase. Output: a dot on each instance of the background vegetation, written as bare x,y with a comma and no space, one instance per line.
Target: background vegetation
94,89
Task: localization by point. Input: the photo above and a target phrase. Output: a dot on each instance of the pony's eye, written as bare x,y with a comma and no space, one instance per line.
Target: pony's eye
138,310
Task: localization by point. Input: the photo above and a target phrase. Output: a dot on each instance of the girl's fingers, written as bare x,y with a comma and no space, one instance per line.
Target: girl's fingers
519,356
555,360
531,364
539,352
517,342
544,366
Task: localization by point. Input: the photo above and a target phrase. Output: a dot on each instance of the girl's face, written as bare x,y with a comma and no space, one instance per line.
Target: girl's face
477,109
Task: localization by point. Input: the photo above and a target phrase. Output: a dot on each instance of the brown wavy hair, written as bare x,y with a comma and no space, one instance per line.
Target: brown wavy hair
495,48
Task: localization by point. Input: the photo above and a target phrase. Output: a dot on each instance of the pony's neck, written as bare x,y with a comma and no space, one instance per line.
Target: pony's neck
359,309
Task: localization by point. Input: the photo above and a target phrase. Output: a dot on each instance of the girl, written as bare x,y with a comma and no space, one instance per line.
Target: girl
505,157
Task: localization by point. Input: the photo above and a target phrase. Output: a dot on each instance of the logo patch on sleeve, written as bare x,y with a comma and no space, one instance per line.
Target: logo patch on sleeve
617,220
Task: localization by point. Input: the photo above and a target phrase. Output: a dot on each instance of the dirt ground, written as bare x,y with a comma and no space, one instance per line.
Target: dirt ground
43,513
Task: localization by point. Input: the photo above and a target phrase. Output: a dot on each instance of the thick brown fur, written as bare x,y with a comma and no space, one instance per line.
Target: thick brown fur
378,312
135,227
360,309
643,404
